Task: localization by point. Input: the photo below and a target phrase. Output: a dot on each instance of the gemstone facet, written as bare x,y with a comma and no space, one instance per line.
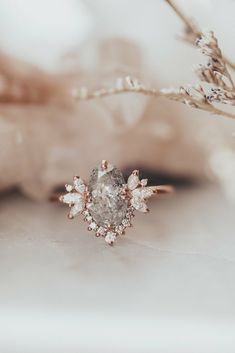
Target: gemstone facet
107,207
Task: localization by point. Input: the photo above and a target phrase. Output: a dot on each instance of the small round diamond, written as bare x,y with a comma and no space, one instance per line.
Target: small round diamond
88,218
126,222
110,237
120,229
101,232
86,213
93,226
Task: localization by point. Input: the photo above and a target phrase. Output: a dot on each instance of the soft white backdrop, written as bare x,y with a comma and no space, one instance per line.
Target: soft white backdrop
43,31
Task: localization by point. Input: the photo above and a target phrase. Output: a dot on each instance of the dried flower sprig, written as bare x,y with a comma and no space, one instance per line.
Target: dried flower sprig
215,73
192,32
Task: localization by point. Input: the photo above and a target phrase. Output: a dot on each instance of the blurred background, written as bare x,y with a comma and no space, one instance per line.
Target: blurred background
168,286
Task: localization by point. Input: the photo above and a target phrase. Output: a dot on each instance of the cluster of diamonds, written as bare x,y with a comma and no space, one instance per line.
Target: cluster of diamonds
109,233
135,193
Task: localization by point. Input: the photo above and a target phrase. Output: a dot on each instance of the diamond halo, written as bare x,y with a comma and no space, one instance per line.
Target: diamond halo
107,202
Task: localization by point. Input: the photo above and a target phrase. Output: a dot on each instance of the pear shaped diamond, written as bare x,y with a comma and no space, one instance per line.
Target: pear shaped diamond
107,205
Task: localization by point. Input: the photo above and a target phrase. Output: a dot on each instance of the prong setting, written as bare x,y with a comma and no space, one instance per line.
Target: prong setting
104,164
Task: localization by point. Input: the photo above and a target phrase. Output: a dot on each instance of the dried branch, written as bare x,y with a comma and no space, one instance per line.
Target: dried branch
194,97
123,85
192,32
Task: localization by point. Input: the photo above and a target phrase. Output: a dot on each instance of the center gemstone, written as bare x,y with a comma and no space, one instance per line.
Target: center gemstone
107,206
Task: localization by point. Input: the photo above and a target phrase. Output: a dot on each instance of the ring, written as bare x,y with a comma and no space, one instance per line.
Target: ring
108,203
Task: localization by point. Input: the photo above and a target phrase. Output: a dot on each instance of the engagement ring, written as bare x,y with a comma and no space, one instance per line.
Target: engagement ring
108,203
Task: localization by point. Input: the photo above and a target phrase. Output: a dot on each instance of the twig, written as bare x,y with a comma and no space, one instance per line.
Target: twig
190,27
192,96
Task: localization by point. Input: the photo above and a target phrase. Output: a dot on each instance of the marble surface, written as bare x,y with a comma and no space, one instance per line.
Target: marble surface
167,286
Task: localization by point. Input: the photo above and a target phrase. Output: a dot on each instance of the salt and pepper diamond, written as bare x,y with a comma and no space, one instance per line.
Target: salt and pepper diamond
107,202
107,208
